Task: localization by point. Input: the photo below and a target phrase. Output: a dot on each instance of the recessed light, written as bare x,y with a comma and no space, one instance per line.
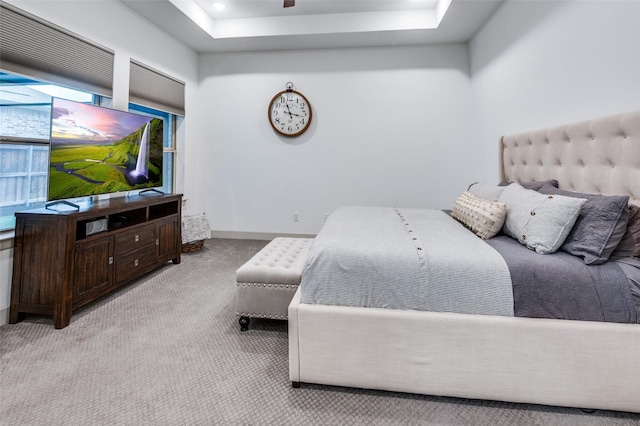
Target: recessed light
219,6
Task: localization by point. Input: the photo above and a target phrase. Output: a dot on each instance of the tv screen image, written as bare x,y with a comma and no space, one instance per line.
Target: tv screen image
96,150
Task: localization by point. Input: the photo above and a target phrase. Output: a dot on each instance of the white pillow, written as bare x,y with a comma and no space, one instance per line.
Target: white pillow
484,217
541,222
488,192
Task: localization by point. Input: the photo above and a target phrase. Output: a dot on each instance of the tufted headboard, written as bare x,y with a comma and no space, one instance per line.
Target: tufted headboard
600,156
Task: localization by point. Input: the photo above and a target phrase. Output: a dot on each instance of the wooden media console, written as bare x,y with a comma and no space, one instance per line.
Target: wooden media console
66,259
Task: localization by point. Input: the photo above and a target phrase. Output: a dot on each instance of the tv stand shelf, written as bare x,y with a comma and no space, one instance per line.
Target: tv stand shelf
65,259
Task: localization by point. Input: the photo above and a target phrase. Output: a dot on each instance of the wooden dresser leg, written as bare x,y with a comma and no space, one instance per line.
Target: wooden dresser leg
61,317
15,316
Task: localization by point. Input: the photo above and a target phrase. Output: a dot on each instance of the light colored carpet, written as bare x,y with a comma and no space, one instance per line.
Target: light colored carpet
167,350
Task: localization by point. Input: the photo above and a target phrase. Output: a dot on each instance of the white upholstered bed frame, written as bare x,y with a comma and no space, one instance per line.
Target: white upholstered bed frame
581,364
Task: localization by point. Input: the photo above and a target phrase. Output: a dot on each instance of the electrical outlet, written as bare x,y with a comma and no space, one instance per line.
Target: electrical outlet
296,216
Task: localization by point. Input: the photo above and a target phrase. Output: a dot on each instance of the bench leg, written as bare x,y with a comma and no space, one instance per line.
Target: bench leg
244,323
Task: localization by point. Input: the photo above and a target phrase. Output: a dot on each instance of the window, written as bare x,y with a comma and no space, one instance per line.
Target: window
25,119
169,149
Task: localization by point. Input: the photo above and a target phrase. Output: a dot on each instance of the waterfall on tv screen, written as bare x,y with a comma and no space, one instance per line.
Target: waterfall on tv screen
142,164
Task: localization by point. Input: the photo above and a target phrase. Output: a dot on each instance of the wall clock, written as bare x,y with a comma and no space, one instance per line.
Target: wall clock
289,112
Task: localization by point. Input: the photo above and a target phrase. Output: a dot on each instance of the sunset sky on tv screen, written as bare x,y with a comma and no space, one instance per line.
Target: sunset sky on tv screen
73,122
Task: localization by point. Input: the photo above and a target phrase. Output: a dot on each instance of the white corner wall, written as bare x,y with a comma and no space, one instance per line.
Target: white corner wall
389,127
537,64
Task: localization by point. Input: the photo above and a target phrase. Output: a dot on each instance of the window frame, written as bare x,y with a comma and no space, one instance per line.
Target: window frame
169,145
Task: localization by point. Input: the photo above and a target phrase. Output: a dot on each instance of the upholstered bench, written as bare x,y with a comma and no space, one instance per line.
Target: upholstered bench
268,281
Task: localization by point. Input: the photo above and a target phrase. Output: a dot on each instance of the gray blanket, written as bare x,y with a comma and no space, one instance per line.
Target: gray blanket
562,286
404,259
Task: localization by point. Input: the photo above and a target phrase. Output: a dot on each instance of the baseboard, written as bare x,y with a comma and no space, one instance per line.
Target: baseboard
4,316
234,235
6,240
6,259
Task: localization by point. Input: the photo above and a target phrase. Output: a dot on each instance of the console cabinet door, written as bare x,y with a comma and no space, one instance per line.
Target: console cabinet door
168,240
39,257
93,268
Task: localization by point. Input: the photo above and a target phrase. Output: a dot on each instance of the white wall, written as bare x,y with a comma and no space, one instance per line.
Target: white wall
537,64
113,25
408,126
389,125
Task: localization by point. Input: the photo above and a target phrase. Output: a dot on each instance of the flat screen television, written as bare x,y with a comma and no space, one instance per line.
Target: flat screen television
96,150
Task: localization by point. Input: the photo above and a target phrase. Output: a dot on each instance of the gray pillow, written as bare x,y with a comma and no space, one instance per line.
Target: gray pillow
533,185
540,222
485,191
599,228
630,244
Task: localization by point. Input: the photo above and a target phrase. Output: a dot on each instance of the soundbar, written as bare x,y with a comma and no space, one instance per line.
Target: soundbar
96,226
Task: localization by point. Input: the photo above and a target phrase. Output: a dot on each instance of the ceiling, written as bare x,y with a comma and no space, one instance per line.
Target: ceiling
249,25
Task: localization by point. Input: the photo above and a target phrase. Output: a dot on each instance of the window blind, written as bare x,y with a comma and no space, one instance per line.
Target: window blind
36,48
151,88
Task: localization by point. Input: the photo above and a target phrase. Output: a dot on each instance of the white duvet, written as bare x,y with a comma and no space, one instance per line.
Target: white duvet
405,259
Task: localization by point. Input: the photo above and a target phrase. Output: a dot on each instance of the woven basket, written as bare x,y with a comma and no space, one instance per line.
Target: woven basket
193,246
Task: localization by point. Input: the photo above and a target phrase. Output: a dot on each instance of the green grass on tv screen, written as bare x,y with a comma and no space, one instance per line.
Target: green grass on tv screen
81,168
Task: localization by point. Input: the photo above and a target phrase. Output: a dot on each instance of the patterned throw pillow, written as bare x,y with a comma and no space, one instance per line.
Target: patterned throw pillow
484,217
540,222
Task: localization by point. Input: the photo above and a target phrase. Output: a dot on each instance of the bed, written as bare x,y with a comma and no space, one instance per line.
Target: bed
591,364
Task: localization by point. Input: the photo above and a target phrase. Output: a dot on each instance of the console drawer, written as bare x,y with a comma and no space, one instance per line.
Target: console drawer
135,239
133,265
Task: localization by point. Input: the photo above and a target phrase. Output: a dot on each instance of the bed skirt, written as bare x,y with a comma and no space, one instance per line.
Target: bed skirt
579,364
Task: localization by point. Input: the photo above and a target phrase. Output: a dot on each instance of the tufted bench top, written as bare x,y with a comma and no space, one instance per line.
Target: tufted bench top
279,262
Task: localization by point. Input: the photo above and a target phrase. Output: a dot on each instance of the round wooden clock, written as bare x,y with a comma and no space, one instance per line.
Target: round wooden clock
290,112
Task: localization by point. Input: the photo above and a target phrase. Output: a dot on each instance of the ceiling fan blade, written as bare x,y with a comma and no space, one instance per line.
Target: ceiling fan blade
289,3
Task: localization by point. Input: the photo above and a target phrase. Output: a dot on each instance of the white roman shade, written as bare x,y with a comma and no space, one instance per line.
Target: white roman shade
36,48
154,89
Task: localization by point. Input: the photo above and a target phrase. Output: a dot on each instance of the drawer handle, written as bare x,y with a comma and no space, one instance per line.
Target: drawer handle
157,242
137,238
110,260
135,262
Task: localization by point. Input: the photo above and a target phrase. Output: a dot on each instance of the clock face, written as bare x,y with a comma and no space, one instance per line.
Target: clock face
290,113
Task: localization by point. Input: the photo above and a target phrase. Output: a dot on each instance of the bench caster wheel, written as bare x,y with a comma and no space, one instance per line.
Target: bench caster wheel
244,323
